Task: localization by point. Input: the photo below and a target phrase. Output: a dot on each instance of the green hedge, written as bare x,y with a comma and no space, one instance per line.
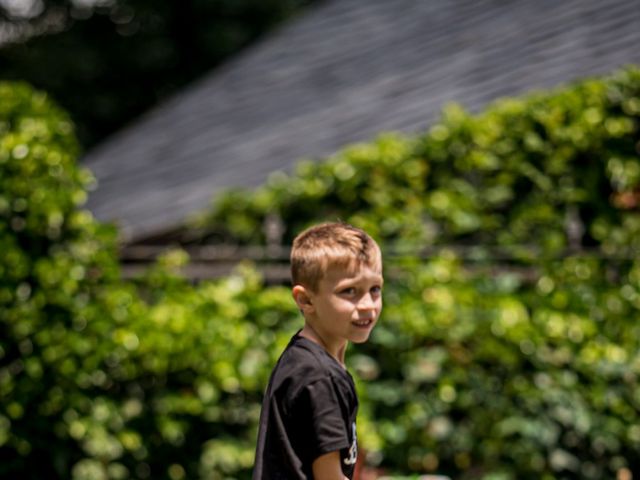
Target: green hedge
509,343
508,347
102,378
520,170
53,258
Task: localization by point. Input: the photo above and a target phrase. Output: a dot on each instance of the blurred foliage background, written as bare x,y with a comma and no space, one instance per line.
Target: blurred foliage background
508,347
108,61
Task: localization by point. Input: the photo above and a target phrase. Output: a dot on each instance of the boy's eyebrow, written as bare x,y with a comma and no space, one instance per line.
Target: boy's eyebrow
347,280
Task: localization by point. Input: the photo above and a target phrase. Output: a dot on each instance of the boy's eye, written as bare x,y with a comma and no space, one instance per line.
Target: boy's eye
348,291
377,290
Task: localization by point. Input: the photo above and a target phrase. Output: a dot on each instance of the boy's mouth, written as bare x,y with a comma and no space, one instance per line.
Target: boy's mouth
363,323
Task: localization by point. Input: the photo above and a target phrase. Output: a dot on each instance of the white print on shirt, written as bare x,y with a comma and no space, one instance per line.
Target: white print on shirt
353,451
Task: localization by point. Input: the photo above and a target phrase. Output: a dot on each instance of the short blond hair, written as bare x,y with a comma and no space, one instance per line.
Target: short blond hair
329,245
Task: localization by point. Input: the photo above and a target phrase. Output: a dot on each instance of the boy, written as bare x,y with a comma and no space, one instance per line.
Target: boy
307,425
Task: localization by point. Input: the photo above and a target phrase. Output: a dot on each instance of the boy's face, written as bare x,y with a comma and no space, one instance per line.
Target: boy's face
346,305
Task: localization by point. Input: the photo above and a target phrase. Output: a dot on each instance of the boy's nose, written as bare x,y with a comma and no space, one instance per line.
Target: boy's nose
367,302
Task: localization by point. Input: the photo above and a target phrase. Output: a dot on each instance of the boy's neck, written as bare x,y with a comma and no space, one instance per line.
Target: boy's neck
336,351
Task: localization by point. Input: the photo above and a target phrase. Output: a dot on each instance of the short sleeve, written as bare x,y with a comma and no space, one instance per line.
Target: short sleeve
322,421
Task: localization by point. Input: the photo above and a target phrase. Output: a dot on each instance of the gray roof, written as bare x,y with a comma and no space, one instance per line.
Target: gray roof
342,72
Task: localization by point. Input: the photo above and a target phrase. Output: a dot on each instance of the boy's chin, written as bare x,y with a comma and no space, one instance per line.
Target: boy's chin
362,338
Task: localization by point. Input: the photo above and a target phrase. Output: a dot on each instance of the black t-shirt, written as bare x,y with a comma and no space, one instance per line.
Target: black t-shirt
309,409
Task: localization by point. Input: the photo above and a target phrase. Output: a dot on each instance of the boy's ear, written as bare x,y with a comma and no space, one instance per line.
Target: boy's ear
302,299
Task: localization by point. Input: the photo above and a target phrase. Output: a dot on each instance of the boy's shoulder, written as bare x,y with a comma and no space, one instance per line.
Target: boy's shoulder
302,363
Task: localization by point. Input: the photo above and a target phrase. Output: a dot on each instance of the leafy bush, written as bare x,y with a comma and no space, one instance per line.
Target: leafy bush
102,378
509,343
560,166
508,347
53,259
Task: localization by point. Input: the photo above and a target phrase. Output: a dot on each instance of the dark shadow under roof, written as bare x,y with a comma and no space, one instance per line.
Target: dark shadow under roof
341,73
